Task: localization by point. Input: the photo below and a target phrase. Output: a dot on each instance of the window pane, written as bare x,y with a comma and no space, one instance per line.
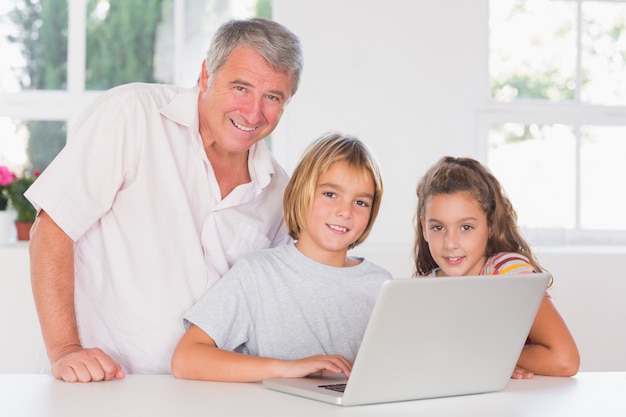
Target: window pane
13,138
202,19
604,53
603,201
10,53
147,54
536,166
33,45
122,42
532,49
30,144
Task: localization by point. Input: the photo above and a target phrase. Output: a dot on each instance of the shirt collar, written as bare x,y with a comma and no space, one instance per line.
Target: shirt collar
183,108
260,164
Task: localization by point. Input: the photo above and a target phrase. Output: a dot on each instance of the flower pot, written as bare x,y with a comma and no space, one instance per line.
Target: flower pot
23,230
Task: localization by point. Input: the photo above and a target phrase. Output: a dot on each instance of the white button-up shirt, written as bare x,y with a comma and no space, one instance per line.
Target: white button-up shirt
137,194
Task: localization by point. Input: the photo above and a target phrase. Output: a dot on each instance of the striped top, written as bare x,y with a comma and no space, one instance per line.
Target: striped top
507,263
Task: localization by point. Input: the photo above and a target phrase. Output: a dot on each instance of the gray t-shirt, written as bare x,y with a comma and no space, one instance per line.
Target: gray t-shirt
278,303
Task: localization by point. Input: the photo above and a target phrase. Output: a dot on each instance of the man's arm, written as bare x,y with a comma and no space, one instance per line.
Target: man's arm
52,279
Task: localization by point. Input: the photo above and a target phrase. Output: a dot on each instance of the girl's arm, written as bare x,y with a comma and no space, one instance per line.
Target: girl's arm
553,351
197,357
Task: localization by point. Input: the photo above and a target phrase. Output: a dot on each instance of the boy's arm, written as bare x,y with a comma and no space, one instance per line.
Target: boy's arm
197,357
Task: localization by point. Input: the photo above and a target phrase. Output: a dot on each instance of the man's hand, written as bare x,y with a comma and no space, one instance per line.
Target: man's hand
86,365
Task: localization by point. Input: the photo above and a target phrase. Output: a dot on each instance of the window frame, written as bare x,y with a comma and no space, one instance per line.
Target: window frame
67,105
574,113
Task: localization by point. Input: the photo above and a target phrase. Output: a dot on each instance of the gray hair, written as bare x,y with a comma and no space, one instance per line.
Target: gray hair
274,42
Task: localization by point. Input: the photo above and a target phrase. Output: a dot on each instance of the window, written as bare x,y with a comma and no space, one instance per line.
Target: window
556,119
58,55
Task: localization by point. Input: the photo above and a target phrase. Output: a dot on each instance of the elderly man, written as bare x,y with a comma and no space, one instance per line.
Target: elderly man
157,192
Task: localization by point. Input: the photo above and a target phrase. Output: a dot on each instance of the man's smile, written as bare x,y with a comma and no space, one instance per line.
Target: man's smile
242,127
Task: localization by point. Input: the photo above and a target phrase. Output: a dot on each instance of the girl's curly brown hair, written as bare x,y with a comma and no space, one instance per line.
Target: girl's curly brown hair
451,175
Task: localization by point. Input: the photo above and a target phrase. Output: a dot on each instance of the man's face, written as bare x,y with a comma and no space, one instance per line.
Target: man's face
241,103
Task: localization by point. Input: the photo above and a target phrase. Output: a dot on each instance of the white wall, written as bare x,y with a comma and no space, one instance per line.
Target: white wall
21,349
399,74
589,291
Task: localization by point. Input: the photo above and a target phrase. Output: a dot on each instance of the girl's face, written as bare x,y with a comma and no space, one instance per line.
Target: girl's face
339,214
456,230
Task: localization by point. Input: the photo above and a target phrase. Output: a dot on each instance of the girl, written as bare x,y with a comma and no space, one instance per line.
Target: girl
302,308
466,225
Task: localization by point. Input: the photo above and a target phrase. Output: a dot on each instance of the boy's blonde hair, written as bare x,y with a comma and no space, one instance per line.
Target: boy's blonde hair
317,159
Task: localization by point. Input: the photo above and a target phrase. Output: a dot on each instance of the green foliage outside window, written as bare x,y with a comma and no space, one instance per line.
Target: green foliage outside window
263,8
121,43
42,38
120,49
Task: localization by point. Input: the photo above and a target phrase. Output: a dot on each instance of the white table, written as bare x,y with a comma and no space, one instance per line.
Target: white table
588,394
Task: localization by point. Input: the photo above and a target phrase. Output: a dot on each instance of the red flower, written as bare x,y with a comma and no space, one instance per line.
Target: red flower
6,176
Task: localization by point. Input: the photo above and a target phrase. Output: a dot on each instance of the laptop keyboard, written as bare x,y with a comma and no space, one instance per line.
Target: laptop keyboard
334,387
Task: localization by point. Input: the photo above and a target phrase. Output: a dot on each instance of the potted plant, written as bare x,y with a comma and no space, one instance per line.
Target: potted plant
26,213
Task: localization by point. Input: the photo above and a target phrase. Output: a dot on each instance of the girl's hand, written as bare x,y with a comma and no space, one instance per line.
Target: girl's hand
521,373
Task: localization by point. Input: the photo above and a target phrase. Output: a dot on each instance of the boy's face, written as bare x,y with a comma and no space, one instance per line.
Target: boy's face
457,232
339,214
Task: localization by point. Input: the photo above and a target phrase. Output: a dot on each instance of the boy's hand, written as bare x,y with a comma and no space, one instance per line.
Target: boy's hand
317,365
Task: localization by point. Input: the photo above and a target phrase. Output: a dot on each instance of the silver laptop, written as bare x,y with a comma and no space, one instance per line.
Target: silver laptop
434,337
